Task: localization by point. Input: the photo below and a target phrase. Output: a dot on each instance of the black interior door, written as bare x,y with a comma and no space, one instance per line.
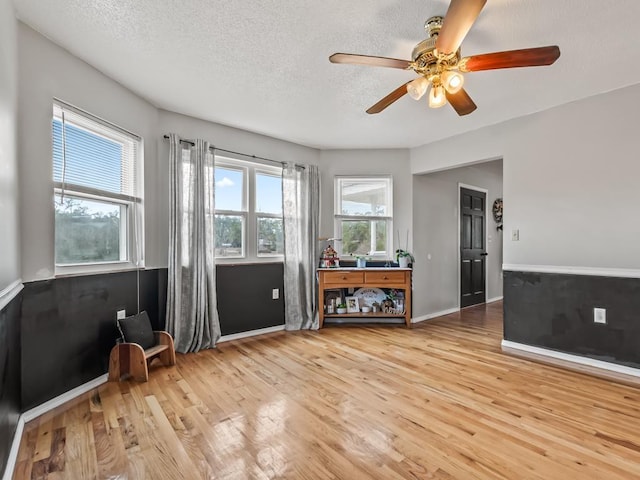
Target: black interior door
473,251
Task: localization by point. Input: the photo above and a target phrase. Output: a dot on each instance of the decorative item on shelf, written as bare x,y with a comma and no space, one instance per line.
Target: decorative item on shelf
388,306
329,258
341,308
366,309
375,307
368,295
332,298
353,306
394,303
361,260
403,256
497,212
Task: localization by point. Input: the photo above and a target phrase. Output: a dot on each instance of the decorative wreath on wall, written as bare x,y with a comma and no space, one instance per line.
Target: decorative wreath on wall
497,212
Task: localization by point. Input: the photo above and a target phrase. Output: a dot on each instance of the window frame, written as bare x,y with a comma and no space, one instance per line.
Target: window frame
272,172
131,206
243,213
251,215
339,217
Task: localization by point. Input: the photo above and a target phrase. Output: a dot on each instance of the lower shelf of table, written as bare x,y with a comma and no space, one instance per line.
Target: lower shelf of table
362,314
357,319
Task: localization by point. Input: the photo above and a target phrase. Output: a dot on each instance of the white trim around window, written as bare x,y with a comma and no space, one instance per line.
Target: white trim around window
97,194
250,250
364,199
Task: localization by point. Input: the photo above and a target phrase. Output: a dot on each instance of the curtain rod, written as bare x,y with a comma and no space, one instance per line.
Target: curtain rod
213,148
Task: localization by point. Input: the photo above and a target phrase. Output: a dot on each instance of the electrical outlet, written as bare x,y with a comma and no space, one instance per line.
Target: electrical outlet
515,235
120,314
275,294
599,315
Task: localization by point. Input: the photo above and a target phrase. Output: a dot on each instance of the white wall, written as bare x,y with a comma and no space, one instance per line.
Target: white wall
570,180
436,224
9,244
369,162
47,71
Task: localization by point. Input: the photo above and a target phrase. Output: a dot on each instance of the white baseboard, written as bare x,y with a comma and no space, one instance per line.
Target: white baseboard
594,271
569,358
251,333
45,407
494,299
9,293
41,409
13,453
429,316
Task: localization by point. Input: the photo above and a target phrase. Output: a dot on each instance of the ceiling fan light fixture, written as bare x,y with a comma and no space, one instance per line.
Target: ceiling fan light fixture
437,96
417,88
452,81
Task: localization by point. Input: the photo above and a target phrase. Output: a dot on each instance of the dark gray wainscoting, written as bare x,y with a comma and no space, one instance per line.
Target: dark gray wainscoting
10,402
555,311
244,296
69,327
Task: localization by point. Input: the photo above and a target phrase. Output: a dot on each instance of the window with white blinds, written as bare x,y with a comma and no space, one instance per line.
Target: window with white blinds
92,155
97,194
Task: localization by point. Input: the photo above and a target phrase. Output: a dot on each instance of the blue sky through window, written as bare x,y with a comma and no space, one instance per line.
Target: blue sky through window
268,194
229,189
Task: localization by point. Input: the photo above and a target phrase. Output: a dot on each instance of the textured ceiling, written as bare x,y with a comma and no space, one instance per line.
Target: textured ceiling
262,65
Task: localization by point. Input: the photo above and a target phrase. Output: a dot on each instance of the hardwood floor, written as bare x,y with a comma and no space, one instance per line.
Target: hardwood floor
438,401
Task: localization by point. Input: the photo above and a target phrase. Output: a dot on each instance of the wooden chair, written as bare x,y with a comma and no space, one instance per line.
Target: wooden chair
131,359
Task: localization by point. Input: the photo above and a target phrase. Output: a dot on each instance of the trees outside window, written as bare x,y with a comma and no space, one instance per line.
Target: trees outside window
363,215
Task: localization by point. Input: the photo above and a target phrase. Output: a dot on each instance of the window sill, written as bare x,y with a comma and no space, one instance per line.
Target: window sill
95,269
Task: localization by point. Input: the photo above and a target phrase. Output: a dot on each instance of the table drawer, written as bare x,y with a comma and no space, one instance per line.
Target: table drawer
344,277
383,277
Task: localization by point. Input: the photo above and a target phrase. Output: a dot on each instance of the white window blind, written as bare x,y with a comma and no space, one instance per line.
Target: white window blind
93,156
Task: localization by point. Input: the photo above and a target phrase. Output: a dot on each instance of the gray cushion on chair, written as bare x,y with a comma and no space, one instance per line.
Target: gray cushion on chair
137,329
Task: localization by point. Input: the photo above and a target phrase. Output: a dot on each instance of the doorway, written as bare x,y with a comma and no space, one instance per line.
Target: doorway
473,245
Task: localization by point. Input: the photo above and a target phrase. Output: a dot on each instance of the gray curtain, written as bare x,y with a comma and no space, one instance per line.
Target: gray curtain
192,313
301,204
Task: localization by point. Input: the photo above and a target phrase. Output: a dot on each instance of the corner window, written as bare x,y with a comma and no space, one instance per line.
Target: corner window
248,205
363,215
97,200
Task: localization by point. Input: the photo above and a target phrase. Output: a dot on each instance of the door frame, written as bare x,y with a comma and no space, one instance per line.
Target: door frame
486,242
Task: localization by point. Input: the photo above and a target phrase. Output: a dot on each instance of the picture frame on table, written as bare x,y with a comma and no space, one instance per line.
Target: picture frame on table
334,294
353,305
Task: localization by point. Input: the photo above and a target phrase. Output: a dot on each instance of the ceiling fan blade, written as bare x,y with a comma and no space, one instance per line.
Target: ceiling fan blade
461,102
527,57
369,60
457,22
389,99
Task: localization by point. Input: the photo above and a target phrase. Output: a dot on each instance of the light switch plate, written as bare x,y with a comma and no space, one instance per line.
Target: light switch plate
275,294
120,314
515,235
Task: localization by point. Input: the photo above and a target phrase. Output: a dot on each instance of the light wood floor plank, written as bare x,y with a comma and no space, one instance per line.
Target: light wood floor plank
437,401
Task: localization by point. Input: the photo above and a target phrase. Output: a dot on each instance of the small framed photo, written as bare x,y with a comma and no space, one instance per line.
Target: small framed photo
334,295
353,306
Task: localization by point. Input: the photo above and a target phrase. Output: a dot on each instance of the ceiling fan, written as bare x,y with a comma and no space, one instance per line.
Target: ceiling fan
438,62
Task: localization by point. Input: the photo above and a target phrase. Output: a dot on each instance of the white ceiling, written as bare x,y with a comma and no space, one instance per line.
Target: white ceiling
263,65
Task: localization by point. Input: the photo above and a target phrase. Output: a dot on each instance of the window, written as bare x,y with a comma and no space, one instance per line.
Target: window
248,210
231,211
363,215
269,214
97,199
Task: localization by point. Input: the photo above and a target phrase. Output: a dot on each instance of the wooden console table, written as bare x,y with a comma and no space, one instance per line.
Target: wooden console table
369,277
